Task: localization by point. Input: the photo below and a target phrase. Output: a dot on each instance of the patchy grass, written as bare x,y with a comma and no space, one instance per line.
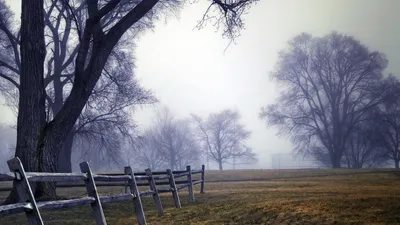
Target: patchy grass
361,197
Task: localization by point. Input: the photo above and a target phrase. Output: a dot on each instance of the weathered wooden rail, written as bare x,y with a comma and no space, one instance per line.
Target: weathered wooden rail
128,179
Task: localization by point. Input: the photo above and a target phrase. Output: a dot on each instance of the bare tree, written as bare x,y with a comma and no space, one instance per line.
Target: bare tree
224,137
173,141
387,121
146,155
329,84
38,140
114,96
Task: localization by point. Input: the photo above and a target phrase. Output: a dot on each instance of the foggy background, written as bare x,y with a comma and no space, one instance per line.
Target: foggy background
193,71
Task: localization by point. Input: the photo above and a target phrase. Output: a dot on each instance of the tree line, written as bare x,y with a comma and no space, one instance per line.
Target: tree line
336,105
174,143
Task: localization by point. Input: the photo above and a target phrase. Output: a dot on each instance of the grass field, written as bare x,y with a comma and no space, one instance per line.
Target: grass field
277,197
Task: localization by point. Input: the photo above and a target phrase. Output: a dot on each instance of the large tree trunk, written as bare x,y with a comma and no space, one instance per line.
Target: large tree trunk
48,163
64,158
396,163
51,146
31,107
220,165
335,160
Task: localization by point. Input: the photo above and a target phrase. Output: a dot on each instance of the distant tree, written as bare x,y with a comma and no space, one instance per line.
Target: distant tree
329,83
173,142
387,121
224,138
147,154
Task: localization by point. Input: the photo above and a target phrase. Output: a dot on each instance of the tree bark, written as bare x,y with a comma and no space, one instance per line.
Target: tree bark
335,160
50,146
31,106
397,163
64,158
220,165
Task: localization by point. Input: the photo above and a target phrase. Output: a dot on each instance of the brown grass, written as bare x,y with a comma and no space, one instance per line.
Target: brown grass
366,197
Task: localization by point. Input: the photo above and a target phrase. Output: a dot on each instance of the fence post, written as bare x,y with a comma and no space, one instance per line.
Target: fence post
92,192
156,196
202,179
126,187
190,183
24,191
174,190
134,190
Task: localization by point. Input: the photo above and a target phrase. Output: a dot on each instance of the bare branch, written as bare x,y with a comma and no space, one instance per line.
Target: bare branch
10,80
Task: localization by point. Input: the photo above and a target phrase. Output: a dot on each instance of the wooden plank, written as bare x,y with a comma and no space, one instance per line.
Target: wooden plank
182,186
51,205
142,178
197,171
163,177
99,185
164,190
62,177
7,176
172,184
143,173
111,178
153,172
156,196
24,191
92,192
190,183
15,208
197,182
137,201
5,189
159,172
203,169
178,171
146,193
117,198
181,175
136,173
164,183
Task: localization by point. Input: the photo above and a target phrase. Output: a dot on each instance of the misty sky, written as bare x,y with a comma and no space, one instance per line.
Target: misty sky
189,71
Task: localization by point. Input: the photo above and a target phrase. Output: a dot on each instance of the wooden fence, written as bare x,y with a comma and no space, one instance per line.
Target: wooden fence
128,179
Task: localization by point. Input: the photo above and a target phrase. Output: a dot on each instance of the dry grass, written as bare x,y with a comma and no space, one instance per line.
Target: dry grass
366,197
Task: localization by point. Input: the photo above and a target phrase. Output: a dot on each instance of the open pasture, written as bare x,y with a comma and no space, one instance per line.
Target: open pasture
273,197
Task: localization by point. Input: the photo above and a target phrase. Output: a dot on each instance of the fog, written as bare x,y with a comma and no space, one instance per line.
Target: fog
197,71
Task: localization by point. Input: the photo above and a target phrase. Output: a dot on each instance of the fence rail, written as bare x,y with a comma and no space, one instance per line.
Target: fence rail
128,179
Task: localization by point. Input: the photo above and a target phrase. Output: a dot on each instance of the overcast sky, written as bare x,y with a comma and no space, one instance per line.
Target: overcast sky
189,71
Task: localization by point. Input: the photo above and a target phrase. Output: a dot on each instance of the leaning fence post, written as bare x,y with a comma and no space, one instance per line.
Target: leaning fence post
156,196
134,190
92,192
24,191
126,187
202,179
173,187
190,183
